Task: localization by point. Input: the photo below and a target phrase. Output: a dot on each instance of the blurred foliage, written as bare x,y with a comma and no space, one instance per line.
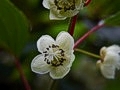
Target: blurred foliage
13,28
22,22
113,20
103,8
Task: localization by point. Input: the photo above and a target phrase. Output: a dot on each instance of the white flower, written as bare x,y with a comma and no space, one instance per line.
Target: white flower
110,61
56,56
61,9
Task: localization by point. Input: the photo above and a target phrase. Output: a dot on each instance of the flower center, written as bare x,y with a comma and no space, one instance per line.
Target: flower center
54,55
65,4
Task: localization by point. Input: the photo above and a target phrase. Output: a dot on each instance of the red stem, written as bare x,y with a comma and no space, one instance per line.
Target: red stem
74,19
23,78
87,2
87,34
72,25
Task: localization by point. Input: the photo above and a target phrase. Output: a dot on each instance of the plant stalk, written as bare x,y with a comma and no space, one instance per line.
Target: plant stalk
23,78
81,39
87,53
71,28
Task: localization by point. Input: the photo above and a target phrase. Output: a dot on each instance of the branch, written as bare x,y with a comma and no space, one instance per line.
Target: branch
101,24
23,78
87,2
72,25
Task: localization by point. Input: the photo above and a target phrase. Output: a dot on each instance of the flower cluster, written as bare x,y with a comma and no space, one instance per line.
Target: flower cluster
110,61
61,9
56,55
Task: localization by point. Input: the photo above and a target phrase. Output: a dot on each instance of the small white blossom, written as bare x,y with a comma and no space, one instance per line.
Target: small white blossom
61,9
56,56
110,61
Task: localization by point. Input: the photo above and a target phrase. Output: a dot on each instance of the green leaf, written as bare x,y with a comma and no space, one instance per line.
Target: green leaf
13,28
113,20
103,8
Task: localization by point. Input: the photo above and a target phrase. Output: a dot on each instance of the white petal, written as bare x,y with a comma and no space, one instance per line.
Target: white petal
72,59
114,48
38,65
65,41
46,4
69,60
103,52
111,58
54,15
44,42
79,4
115,59
98,63
108,71
59,72
113,55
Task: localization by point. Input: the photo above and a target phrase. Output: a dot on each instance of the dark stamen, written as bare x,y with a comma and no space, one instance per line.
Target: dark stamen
47,48
45,59
54,46
45,52
48,62
118,53
46,55
69,5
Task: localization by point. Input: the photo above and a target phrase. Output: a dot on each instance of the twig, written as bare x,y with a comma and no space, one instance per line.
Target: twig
87,2
23,78
88,33
88,53
72,25
52,84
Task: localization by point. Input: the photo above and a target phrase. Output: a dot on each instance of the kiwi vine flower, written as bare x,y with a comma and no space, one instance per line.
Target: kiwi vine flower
110,61
56,56
61,9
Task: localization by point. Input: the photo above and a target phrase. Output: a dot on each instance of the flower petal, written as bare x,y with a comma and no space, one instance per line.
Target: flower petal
44,42
59,72
38,65
46,4
65,41
69,60
113,53
108,71
72,58
112,58
103,52
79,4
54,15
114,48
